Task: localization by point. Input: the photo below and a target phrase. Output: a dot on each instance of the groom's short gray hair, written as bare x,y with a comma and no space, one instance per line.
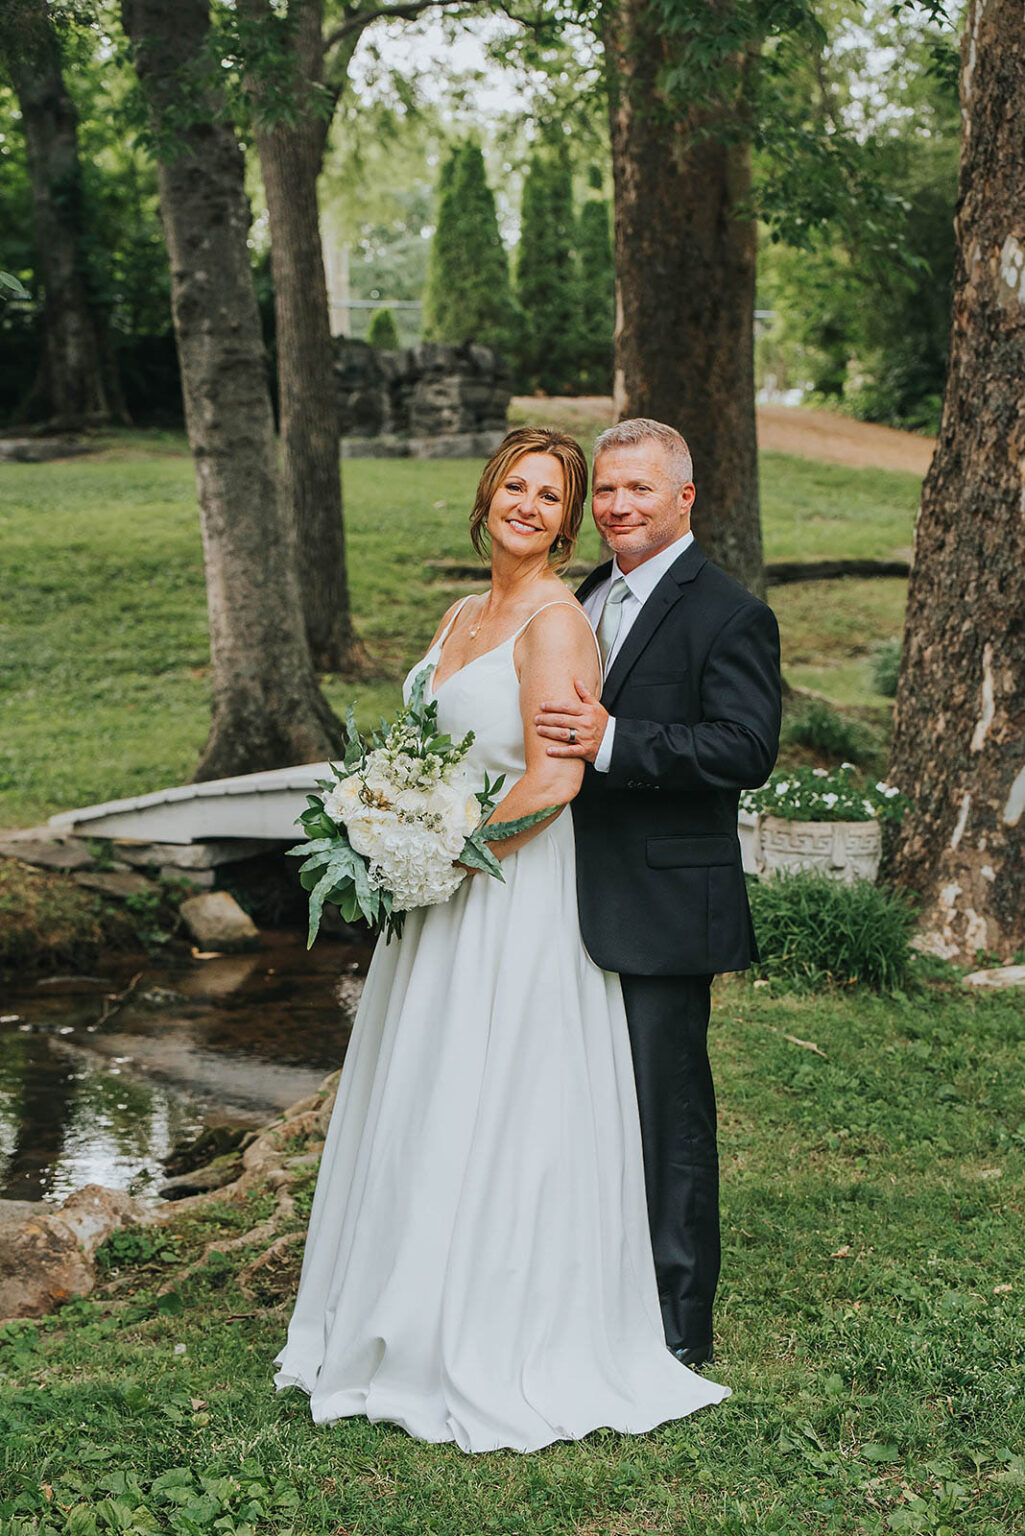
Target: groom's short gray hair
641,429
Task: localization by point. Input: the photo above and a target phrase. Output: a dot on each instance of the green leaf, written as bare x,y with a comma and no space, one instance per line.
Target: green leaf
497,831
478,856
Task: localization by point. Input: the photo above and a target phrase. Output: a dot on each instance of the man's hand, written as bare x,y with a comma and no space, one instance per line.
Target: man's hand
576,729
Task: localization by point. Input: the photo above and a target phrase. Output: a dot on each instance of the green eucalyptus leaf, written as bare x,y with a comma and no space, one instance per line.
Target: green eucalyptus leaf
498,831
479,856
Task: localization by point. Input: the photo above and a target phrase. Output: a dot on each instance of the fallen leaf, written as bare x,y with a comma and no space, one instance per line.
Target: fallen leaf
197,1403
841,1253
1000,1290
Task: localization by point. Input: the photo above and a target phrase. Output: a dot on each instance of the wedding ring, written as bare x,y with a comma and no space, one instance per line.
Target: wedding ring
572,737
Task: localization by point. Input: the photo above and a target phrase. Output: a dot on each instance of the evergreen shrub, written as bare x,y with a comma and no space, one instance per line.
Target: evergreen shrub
382,330
815,932
468,295
546,279
597,279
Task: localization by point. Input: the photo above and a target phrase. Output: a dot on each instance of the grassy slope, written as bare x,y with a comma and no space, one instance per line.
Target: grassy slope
870,1323
103,646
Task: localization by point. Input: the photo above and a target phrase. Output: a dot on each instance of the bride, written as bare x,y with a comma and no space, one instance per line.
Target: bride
478,1266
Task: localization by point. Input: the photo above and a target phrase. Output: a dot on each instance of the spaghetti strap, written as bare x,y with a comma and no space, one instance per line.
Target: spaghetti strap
459,608
561,603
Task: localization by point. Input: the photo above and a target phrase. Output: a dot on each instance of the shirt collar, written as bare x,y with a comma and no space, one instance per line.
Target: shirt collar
643,580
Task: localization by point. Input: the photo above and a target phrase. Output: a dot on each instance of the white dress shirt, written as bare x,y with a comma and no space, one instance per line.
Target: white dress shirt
642,582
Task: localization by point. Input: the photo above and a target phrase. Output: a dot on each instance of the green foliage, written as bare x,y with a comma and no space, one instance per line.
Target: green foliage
546,278
136,1248
468,295
824,731
597,298
817,932
382,330
886,667
863,301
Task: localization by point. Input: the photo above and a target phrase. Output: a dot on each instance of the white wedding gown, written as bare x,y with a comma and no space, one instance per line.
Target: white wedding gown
478,1266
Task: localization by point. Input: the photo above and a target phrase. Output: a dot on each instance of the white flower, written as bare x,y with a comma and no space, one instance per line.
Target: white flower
821,773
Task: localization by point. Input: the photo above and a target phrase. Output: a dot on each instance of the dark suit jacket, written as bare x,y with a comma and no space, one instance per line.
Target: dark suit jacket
695,692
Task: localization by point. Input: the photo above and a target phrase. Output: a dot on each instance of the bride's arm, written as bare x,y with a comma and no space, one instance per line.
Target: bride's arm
553,650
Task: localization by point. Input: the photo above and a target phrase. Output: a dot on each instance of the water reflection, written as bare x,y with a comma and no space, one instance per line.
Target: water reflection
85,1098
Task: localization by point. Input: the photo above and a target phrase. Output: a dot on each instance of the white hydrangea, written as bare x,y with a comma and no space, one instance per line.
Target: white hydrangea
409,818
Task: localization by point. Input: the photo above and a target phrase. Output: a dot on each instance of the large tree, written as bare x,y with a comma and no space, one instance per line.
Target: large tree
960,723
267,708
294,83
686,244
76,385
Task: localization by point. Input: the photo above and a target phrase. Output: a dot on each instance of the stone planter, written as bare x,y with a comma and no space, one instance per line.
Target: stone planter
844,850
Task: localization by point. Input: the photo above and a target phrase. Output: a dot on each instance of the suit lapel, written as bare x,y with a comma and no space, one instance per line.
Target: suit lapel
664,598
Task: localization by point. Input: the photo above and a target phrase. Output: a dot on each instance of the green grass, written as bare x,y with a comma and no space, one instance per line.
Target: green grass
870,1323
103,637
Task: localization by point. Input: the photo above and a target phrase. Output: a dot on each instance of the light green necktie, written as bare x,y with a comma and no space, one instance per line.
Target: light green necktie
611,618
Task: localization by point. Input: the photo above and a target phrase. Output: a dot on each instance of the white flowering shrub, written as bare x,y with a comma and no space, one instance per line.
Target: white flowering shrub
820,794
403,822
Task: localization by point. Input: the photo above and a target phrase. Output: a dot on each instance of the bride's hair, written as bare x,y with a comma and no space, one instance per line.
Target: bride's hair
515,444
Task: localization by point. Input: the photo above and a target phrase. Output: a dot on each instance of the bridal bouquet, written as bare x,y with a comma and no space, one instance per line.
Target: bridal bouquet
404,807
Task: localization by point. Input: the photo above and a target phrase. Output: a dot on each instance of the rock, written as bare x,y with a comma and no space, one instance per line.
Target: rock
46,853
115,883
1002,976
46,1251
217,922
204,855
199,879
434,390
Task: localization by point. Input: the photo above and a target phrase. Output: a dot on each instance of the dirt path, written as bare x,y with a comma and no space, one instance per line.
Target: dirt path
841,440
781,429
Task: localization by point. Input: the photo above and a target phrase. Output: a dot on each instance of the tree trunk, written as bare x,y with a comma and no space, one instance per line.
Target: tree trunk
267,708
959,744
73,380
685,284
291,152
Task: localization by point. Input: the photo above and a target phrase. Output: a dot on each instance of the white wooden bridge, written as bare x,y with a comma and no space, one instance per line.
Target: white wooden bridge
232,817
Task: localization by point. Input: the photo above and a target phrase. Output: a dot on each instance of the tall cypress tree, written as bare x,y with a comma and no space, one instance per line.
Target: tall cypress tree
546,276
597,298
469,295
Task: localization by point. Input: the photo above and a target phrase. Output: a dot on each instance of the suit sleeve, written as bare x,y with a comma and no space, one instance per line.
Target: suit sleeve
734,745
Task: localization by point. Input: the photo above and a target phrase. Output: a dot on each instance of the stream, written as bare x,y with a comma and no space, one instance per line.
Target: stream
102,1074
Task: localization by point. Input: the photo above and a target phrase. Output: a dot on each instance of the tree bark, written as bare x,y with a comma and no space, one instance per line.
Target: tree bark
267,709
291,151
959,742
685,283
73,379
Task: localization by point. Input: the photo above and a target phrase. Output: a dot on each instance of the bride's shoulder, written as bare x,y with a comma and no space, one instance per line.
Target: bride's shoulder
560,625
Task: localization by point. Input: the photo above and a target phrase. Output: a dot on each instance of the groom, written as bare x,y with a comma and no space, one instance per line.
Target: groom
688,717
